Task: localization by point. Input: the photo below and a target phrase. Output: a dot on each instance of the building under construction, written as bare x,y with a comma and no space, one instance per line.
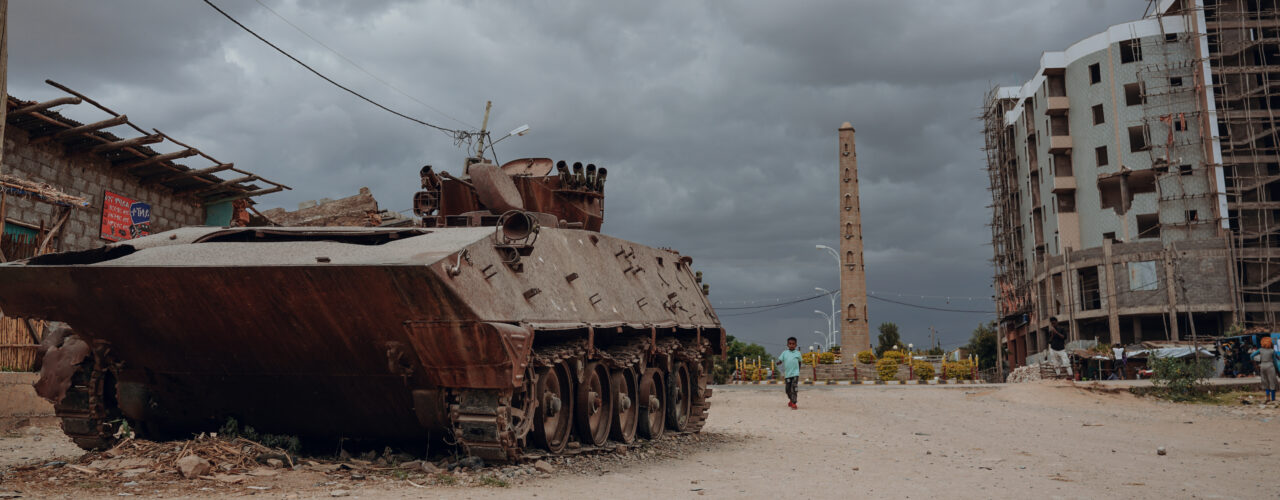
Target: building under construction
1135,180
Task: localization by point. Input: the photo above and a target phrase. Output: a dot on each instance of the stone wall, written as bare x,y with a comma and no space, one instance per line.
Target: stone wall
22,407
86,175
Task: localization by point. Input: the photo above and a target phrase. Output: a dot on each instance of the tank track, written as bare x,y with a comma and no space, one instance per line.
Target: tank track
494,425
87,411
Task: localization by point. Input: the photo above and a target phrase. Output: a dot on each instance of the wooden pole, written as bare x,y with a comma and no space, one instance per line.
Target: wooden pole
4,198
57,226
4,77
483,125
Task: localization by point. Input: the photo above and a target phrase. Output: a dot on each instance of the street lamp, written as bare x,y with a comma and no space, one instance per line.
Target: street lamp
911,363
830,324
520,131
832,251
835,255
831,337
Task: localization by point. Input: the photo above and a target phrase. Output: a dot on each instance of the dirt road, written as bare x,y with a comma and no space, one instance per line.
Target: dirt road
1042,440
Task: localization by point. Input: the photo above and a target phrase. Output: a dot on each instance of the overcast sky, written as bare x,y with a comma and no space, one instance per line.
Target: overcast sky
717,120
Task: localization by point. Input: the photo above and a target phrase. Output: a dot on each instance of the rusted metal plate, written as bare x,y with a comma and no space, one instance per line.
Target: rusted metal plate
535,167
219,323
495,189
472,354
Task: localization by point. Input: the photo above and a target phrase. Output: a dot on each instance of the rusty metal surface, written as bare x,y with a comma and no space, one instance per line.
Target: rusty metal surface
495,189
375,332
534,167
60,358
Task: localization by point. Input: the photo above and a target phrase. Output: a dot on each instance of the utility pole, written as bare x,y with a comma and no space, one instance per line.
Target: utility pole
483,125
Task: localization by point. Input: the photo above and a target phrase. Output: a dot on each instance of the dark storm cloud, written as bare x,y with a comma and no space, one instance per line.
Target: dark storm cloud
717,121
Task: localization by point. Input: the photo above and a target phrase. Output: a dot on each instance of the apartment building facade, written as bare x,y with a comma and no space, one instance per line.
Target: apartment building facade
1133,179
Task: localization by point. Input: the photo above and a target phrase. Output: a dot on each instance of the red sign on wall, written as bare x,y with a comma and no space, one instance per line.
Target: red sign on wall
117,221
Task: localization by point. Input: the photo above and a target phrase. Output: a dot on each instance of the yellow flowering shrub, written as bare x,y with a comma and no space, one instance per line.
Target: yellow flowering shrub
867,357
887,369
896,356
962,370
923,370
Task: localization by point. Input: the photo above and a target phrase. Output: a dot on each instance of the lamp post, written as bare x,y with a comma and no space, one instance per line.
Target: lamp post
911,363
835,255
519,131
832,251
831,337
820,344
814,356
830,324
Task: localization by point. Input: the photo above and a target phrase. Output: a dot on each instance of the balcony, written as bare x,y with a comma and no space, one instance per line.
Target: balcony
1064,184
1057,105
1059,144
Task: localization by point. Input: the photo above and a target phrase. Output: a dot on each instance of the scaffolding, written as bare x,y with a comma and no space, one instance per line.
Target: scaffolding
1013,287
1236,41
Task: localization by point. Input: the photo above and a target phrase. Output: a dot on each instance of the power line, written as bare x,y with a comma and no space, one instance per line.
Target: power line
918,306
358,66
774,306
459,136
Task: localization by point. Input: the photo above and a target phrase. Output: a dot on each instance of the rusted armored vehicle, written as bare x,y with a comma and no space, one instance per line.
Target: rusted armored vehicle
503,322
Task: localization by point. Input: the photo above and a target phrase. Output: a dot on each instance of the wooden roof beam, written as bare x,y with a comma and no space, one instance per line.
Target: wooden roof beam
249,194
127,143
172,176
223,184
108,123
41,106
160,158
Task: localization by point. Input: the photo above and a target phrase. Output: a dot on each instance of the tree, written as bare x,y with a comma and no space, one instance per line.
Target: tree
888,338
935,351
983,344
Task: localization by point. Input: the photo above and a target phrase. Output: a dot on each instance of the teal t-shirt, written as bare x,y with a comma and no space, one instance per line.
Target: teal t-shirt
790,363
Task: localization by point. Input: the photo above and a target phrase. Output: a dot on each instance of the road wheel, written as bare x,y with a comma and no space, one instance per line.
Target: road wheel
594,408
552,416
626,412
652,398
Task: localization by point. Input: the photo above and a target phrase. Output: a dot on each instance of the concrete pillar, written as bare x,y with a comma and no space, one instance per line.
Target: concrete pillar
1113,316
1137,329
1068,291
1171,289
855,330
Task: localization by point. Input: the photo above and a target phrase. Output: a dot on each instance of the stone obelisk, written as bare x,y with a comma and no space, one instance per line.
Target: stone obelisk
855,331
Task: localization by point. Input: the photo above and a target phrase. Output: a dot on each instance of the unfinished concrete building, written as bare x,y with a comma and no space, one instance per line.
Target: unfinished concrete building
1135,180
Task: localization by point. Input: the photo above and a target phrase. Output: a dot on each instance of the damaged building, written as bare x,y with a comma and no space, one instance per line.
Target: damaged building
67,186
1135,180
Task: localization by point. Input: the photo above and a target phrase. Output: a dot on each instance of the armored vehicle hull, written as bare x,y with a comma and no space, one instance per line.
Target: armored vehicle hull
508,339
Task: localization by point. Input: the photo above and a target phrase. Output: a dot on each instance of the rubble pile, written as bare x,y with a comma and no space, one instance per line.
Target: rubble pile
212,463
1030,373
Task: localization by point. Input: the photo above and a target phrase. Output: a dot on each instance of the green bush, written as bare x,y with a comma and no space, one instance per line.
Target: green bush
867,357
887,368
1180,380
923,370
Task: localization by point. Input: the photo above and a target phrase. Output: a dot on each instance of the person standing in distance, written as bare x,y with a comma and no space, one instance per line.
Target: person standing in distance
1058,346
790,361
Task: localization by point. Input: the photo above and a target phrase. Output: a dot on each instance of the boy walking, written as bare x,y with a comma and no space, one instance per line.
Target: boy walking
790,361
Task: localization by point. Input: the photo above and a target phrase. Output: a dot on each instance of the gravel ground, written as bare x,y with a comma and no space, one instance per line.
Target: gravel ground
1044,439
